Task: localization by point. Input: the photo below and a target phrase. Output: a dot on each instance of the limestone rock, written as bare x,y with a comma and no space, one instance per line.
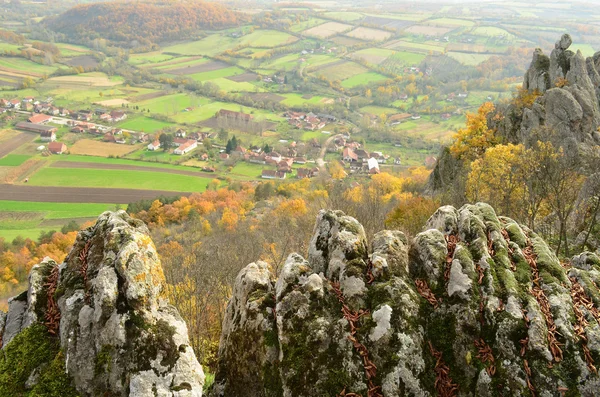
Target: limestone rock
118,334
463,290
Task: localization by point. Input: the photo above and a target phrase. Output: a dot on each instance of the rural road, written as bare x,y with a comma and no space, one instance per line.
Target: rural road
80,194
320,162
122,167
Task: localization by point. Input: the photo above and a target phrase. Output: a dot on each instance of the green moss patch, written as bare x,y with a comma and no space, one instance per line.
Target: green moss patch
31,349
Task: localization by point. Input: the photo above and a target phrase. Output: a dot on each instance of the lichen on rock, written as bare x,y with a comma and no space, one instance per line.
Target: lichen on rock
500,295
113,331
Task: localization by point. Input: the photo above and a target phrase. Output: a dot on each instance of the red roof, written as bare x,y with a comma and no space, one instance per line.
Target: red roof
57,147
39,118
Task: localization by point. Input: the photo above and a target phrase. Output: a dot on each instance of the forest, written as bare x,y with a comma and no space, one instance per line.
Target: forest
135,24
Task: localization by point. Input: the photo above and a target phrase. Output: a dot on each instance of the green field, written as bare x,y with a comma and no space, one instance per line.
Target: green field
306,24
362,79
145,124
407,58
118,179
9,47
586,49
374,55
341,72
56,210
234,86
215,74
210,45
451,22
26,65
469,59
179,63
13,160
293,99
149,57
267,39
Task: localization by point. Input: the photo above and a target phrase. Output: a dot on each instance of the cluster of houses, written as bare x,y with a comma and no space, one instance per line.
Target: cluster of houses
183,142
30,104
283,164
360,160
309,121
452,96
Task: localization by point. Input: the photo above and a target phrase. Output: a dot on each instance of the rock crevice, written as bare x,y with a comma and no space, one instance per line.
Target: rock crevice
475,305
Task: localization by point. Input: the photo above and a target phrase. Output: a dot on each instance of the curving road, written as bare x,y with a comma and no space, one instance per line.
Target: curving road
319,160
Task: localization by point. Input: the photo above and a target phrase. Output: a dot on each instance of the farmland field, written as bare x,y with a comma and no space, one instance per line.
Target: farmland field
267,38
491,31
87,79
341,72
149,58
103,149
469,59
24,66
362,79
451,22
210,45
369,34
306,24
118,179
418,47
344,16
298,99
215,74
145,124
55,210
327,30
373,55
428,30
13,160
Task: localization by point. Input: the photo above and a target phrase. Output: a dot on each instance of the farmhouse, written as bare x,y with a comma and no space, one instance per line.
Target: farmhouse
15,104
154,145
39,128
186,147
117,115
373,166
57,147
349,155
304,173
40,119
48,136
269,174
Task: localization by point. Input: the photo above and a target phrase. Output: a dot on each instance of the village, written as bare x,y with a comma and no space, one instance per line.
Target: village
290,157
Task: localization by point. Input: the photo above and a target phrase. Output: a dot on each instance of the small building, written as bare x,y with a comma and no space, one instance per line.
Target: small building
179,141
39,128
270,174
40,119
349,155
47,136
186,147
373,166
223,156
117,115
304,173
57,147
154,145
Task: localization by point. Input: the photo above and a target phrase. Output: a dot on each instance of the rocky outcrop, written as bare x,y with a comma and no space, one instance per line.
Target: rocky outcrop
104,307
475,305
569,85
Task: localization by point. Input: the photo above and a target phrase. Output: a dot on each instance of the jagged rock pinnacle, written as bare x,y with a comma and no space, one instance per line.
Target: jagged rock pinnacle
474,305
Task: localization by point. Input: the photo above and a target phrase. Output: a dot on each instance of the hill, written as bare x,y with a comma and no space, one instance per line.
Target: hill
147,22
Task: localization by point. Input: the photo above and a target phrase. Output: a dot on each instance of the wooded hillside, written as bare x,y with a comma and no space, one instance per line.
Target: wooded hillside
152,21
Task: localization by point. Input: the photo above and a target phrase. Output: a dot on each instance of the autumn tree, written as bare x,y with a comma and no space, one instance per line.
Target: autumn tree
473,140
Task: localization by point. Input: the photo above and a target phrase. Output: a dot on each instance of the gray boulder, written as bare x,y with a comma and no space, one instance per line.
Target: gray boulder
475,305
105,305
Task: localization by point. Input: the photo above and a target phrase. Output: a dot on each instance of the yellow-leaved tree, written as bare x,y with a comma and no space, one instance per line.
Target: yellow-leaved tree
473,140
